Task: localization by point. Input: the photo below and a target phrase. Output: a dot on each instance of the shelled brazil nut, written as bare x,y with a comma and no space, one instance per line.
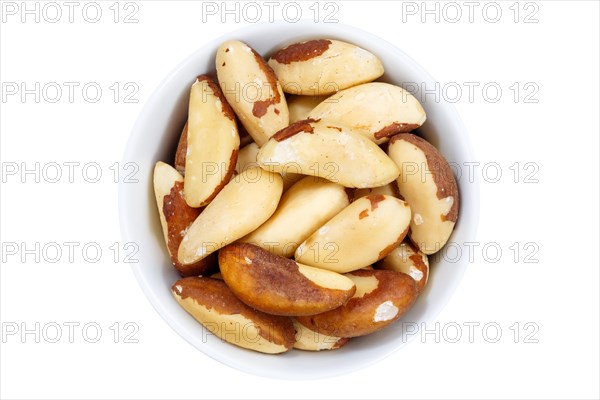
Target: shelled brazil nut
335,153
428,185
324,66
213,304
280,286
377,222
212,143
176,217
376,110
252,89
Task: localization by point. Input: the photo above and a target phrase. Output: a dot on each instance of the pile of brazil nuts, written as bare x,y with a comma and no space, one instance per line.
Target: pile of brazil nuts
300,211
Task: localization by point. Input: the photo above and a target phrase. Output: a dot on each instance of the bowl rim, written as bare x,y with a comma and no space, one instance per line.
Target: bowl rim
135,137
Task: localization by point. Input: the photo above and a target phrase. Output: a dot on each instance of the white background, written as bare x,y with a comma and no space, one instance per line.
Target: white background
558,214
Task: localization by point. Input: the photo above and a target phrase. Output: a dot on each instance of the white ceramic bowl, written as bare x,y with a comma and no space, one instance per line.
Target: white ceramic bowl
154,138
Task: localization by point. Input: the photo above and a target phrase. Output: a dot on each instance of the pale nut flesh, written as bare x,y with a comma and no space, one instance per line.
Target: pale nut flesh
212,143
247,158
407,259
252,90
290,179
306,206
212,304
376,110
313,341
381,298
330,152
245,203
163,179
427,183
391,189
361,234
176,217
324,66
301,106
278,285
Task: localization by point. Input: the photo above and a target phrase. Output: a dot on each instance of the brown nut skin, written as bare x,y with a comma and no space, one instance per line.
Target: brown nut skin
179,217
181,152
213,304
176,217
278,285
245,138
370,309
